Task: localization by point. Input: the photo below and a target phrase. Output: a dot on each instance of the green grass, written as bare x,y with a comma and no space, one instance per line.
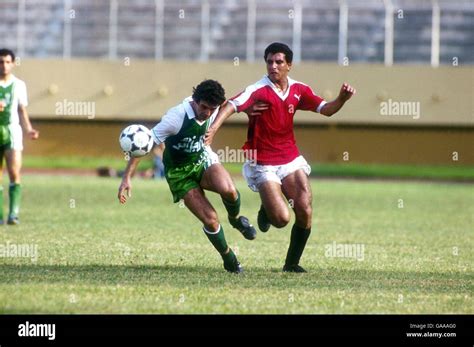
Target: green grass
355,170
76,162
150,256
439,172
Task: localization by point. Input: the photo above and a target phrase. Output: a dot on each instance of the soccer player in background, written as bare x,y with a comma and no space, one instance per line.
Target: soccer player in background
158,166
13,116
191,167
279,169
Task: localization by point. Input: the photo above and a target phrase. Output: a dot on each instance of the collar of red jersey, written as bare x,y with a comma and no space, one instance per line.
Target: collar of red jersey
277,90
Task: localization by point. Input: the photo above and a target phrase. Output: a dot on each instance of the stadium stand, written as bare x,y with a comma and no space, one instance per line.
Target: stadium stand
165,38
164,29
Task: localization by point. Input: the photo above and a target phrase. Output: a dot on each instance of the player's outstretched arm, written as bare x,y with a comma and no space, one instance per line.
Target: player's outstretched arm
225,112
126,184
346,92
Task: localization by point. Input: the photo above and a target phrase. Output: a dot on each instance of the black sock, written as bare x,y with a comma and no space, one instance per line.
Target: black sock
299,236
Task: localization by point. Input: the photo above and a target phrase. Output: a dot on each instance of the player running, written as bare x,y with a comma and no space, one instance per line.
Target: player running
191,167
13,116
271,104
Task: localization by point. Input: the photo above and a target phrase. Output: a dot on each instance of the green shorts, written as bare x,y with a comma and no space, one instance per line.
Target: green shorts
184,178
5,138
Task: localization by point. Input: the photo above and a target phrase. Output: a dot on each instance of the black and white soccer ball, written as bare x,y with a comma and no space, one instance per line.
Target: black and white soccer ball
136,140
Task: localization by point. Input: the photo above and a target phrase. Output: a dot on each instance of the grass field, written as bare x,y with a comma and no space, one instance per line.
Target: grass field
150,256
454,171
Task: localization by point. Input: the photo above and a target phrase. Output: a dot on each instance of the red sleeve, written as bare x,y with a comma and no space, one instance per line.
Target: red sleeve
309,100
244,100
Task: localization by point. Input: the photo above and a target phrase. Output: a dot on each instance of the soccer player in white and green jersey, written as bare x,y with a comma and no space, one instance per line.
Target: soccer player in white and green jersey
13,116
191,167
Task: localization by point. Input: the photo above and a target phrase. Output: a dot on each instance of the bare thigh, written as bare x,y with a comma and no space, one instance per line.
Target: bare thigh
217,179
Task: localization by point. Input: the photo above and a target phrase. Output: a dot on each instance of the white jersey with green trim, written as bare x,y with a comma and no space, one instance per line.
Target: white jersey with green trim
173,120
13,94
183,135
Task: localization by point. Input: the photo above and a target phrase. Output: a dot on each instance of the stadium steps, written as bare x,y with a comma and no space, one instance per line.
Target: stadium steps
182,36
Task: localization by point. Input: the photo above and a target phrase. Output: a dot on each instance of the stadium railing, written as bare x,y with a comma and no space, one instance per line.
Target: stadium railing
384,31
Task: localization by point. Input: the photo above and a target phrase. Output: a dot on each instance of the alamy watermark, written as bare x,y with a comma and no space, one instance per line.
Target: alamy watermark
345,250
400,108
75,108
28,329
14,250
231,155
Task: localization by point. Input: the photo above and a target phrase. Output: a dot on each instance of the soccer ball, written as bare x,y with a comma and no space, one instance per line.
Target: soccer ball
136,140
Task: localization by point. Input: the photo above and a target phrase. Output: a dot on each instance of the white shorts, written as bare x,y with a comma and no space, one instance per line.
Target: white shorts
210,157
16,136
255,175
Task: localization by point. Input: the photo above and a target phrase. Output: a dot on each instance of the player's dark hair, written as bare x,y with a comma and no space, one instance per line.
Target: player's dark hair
5,51
209,91
278,47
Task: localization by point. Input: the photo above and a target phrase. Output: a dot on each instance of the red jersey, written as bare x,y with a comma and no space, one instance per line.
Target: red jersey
270,136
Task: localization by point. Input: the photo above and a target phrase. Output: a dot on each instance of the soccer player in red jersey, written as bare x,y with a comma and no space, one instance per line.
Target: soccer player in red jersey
275,165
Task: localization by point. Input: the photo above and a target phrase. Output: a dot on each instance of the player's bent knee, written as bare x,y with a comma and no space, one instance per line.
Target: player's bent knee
229,193
280,220
280,223
212,226
211,222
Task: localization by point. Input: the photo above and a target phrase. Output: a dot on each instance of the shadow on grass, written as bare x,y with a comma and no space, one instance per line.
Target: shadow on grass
256,278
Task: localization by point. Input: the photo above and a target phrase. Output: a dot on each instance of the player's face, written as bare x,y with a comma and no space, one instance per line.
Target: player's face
204,110
277,67
6,65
